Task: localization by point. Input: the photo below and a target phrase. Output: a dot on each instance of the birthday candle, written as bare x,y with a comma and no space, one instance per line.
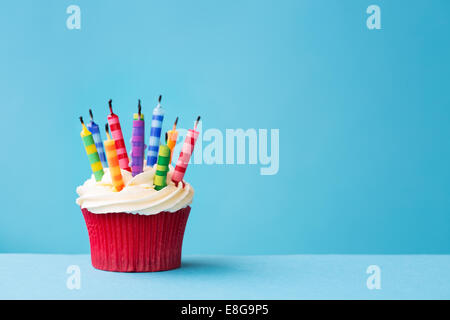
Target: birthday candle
91,151
185,154
155,134
173,136
162,167
94,129
116,133
137,142
113,162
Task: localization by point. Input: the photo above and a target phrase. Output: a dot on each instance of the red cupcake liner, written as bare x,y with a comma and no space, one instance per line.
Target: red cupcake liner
127,242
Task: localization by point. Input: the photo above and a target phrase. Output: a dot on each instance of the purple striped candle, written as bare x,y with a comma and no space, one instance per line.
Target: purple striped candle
137,142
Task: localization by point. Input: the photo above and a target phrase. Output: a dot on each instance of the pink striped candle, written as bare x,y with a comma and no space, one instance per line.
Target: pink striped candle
116,132
185,154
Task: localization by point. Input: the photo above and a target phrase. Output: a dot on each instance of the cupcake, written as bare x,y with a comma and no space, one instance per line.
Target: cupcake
138,229
136,212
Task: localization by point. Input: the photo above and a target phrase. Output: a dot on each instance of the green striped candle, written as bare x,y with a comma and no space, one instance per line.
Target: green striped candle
91,151
162,167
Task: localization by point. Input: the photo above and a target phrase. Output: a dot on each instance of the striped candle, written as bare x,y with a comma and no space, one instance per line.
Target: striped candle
116,133
173,137
162,167
155,134
137,142
91,152
185,154
94,129
113,162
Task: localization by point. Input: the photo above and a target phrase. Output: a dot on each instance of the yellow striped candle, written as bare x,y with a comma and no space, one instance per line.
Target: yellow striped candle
113,162
91,151
173,136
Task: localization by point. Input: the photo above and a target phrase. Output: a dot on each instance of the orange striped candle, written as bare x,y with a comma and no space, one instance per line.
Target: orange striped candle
173,137
113,162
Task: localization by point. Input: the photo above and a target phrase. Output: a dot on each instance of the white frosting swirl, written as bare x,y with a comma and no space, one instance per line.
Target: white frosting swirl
138,195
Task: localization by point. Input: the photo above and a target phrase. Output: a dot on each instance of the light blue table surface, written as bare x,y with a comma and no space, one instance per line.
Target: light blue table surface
42,276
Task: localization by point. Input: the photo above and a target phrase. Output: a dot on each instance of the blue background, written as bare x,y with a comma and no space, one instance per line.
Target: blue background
363,118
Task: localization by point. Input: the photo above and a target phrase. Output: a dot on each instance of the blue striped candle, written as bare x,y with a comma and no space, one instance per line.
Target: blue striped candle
155,134
94,129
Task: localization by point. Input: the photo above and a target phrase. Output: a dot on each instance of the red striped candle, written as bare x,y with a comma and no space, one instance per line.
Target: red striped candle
185,154
116,132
